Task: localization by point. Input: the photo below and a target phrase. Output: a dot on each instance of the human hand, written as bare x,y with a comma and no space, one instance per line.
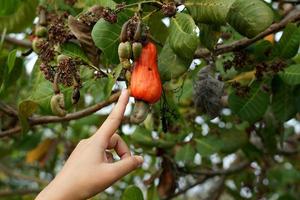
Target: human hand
90,168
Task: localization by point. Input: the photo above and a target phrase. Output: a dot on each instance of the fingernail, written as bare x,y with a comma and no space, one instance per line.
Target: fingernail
123,91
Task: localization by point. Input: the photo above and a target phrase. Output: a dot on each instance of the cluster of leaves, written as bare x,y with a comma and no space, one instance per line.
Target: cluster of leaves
261,82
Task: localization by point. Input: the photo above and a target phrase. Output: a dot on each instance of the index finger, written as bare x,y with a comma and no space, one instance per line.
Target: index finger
113,121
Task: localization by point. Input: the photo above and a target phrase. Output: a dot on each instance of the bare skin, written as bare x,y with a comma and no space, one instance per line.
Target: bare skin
90,169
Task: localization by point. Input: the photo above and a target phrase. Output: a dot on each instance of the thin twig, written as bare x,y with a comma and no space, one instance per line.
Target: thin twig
38,120
240,44
8,110
231,170
20,43
17,175
7,193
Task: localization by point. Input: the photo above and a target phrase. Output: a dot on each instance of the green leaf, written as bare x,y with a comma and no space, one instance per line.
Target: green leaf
252,107
26,109
142,136
291,75
288,45
209,11
152,193
8,6
183,37
106,37
170,65
185,153
21,18
209,35
205,147
227,142
105,3
11,59
132,193
75,51
3,72
283,101
157,28
250,18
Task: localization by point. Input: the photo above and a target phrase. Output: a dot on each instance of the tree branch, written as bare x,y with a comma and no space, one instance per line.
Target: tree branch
240,44
38,120
17,175
7,193
21,43
8,110
236,168
209,174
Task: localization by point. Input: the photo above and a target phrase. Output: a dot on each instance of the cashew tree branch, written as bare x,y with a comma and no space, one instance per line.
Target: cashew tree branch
293,16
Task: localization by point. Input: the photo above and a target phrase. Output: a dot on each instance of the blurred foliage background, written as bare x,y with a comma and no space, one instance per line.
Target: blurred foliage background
245,148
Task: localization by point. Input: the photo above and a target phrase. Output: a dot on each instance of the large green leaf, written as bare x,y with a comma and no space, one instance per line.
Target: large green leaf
157,28
170,65
283,101
291,75
250,18
26,109
8,6
105,3
288,45
209,35
251,107
21,18
227,142
75,51
106,37
185,154
142,136
183,37
132,193
209,11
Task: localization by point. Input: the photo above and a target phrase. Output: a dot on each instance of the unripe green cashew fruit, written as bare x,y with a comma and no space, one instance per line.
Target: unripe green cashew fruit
140,112
124,51
136,50
61,58
41,31
58,105
36,44
250,18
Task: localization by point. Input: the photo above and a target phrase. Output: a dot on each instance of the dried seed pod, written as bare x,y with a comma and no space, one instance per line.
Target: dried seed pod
124,51
136,50
41,31
208,93
140,112
58,105
83,32
138,32
75,95
123,35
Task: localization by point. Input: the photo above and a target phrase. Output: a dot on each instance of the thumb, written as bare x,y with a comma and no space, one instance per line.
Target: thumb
126,165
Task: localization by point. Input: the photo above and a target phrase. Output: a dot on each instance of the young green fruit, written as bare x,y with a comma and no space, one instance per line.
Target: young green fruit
58,105
124,51
140,112
41,31
36,44
136,50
